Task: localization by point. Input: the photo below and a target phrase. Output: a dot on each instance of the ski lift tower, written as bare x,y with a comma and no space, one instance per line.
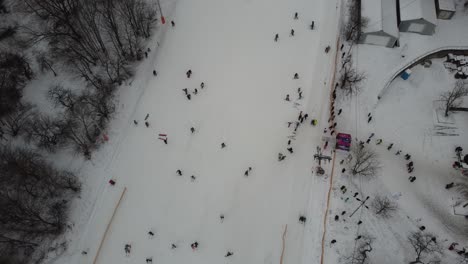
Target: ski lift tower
319,156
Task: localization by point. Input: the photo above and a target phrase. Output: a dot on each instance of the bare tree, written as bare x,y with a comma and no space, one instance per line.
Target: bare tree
14,122
351,80
426,247
383,206
360,254
47,133
33,199
61,96
45,63
454,98
355,23
14,74
365,161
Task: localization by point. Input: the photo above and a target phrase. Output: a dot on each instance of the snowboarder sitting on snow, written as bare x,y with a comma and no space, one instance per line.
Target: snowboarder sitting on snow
135,122
290,150
149,260
229,253
302,219
296,76
194,245
223,145
390,146
192,129
150,233
327,49
287,97
179,172
407,156
314,122
221,217
173,246
193,178
379,141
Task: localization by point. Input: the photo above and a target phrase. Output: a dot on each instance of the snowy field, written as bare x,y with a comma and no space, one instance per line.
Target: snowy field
230,47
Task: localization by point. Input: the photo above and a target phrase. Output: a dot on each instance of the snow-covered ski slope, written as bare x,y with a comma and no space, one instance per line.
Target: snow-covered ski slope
228,45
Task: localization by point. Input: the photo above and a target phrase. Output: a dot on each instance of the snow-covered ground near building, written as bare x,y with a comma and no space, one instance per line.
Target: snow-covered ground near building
406,115
228,45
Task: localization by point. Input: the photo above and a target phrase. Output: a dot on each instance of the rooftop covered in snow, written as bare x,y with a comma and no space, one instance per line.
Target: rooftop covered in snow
448,5
418,9
382,16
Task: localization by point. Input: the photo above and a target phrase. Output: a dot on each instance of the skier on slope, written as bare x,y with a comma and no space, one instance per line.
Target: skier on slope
202,85
172,23
296,15
292,33
189,73
287,97
127,249
276,37
192,129
296,76
228,254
